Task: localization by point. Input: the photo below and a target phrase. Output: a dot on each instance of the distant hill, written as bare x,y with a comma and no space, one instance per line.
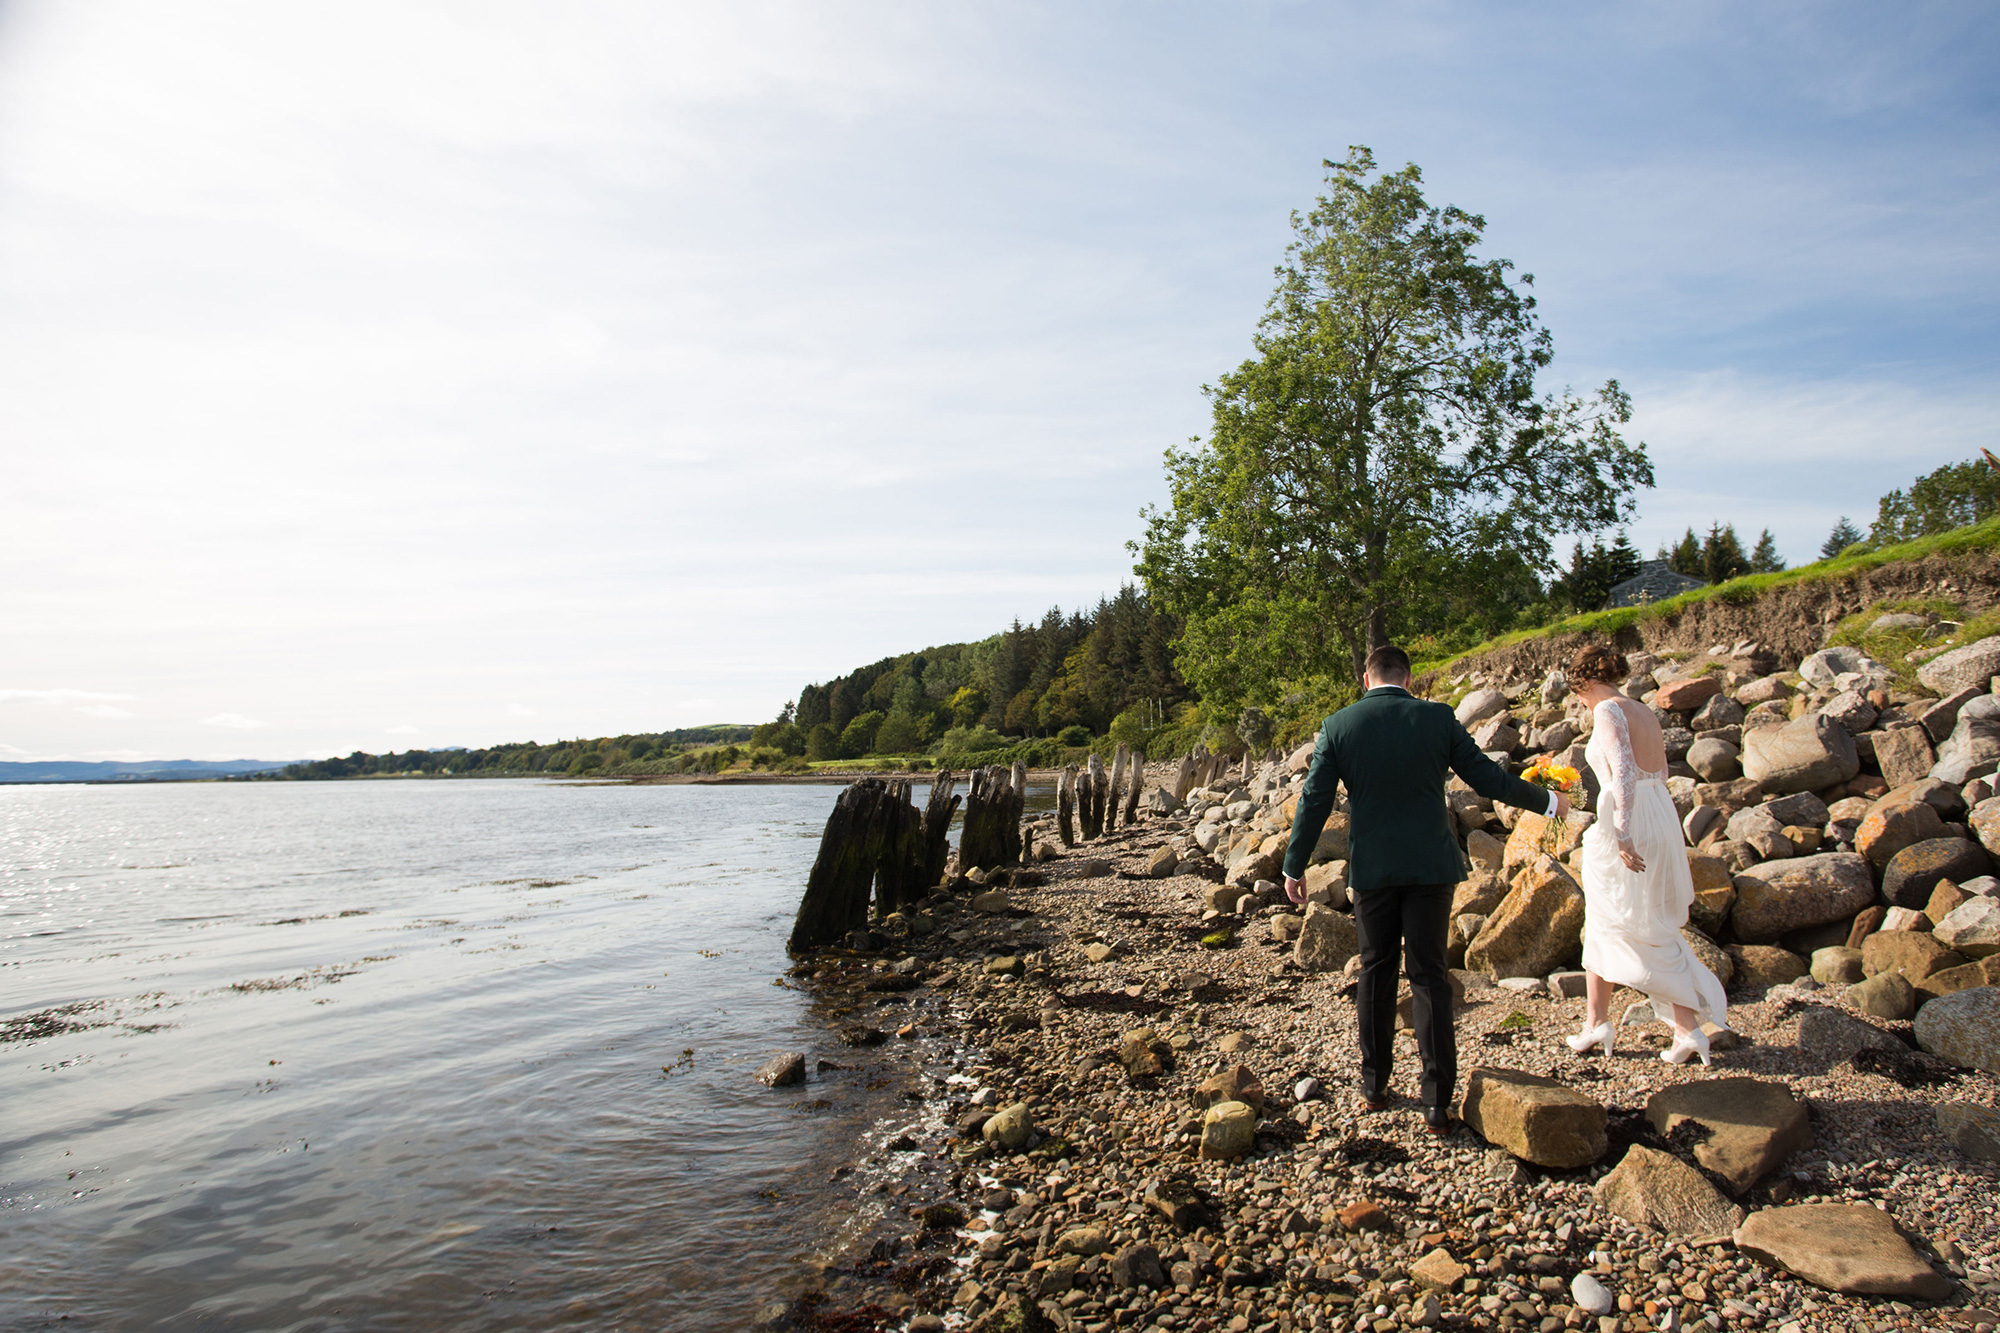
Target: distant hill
151,770
633,754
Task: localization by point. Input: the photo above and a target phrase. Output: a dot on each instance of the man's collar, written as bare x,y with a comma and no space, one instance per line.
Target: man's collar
1380,688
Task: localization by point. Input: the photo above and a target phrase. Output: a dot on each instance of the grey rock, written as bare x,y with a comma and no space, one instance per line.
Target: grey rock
1972,928
1972,748
1938,720
1829,1036
1852,1248
1808,754
1778,897
1479,705
1327,939
1649,1188
1973,1129
1825,667
1591,1296
1973,665
1716,760
1913,873
782,1070
1963,1028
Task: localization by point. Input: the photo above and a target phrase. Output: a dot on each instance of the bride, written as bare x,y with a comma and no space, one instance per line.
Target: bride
1636,885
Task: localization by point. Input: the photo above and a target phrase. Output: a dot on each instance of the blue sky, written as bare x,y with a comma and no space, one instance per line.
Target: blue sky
389,375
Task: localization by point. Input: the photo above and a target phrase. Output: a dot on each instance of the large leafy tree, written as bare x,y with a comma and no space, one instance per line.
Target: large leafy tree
1381,454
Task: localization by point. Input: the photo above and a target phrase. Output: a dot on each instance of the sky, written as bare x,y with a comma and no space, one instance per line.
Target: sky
417,374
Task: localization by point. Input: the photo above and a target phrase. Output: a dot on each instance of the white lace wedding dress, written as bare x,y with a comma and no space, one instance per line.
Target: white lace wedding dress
1633,919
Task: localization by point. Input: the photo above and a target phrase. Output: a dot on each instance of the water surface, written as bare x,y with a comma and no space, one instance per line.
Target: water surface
405,1054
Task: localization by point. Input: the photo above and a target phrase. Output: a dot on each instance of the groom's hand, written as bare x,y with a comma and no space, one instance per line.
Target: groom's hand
1295,889
1562,806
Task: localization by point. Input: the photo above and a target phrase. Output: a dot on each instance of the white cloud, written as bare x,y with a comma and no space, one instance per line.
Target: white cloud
110,711
519,710
234,722
59,696
695,703
404,730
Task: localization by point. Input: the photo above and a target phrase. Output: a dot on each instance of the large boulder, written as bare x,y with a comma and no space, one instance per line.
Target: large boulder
1912,954
1825,668
1887,995
1974,665
1537,1119
1778,897
1809,754
1326,940
1683,696
1710,955
1756,966
1836,965
1973,746
1963,1028
1972,928
1852,1248
1973,1129
1479,705
1649,1188
1753,1126
1714,758
1890,826
1984,820
1904,755
1535,835
1829,1036
1912,874
1536,929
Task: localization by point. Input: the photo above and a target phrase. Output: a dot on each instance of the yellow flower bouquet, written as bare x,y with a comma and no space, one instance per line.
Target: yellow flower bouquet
1549,775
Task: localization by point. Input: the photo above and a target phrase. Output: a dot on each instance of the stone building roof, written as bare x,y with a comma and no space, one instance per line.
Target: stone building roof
1654,582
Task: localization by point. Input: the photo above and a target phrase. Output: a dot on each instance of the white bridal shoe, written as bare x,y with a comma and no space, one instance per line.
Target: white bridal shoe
1686,1046
1604,1034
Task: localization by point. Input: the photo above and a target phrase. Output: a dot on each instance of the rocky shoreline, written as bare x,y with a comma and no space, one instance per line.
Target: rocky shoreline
1134,1107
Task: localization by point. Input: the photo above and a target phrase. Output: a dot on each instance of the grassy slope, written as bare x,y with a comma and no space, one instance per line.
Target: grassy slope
1979,537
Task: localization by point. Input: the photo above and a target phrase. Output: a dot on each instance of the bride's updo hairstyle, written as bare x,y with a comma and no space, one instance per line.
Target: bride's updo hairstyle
1597,661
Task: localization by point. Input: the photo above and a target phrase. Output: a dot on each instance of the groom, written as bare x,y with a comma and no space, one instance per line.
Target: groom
1392,750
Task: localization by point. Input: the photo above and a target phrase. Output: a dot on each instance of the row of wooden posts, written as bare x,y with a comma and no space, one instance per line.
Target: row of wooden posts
877,840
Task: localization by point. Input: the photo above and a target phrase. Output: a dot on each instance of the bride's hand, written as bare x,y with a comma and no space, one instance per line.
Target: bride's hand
1632,860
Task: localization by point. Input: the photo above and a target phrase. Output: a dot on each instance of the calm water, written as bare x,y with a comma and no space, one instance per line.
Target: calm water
389,1055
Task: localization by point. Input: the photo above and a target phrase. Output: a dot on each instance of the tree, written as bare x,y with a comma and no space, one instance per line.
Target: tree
1954,496
1722,557
1844,535
1385,437
1593,572
823,742
1765,559
1685,558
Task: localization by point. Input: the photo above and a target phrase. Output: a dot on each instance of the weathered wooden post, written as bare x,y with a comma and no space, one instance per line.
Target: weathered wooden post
1091,797
1138,785
992,833
1065,802
1119,758
872,839
937,824
1184,778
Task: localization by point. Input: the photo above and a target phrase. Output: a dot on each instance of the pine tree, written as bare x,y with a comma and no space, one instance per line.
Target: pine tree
1765,559
1624,561
1722,557
1844,535
1685,558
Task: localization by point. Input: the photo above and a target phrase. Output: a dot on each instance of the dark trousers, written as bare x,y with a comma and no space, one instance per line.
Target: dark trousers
1405,922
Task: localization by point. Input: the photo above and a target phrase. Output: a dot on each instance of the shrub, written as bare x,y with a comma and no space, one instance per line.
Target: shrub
1074,735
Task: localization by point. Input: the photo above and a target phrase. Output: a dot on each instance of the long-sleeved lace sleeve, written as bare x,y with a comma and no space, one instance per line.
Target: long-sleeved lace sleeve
1624,771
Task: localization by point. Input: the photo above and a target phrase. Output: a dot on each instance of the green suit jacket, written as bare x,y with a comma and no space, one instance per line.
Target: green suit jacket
1392,751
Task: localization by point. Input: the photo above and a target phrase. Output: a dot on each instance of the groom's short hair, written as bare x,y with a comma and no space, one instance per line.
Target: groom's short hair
1388,662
